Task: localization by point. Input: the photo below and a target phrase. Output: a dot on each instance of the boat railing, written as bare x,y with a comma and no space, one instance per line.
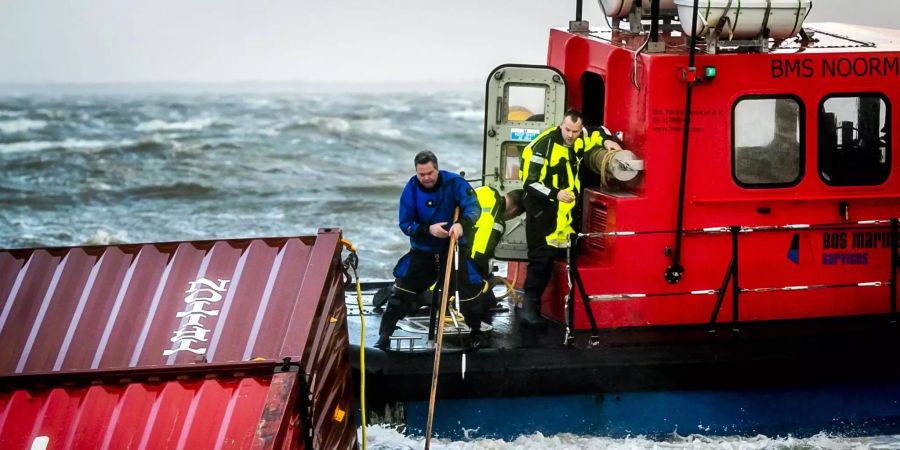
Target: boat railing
731,277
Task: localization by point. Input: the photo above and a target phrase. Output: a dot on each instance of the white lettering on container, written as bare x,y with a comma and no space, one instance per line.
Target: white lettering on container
201,297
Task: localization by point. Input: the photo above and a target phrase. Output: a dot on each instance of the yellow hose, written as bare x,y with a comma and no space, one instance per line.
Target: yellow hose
362,347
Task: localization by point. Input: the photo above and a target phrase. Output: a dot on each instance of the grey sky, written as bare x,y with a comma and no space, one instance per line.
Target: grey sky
340,40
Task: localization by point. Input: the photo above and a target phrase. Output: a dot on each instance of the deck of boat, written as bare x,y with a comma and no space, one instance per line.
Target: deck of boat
520,361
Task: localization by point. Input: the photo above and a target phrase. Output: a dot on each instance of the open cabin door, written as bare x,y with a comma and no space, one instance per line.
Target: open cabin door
521,101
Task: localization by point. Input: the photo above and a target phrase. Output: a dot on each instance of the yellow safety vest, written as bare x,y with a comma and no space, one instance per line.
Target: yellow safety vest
559,170
489,227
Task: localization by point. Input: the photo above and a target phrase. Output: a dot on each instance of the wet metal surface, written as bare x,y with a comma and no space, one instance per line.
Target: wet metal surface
170,307
193,411
64,309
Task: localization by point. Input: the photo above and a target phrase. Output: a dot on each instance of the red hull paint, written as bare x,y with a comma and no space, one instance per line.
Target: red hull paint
233,412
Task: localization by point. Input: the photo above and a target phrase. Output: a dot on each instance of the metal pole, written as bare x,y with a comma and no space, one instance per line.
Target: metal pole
440,336
570,299
675,272
735,286
720,296
579,283
432,314
895,263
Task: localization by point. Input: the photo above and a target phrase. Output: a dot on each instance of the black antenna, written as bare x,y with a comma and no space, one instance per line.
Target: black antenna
675,271
578,25
654,20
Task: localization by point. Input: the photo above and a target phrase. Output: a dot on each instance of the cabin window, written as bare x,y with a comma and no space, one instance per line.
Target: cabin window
509,159
525,103
767,142
854,140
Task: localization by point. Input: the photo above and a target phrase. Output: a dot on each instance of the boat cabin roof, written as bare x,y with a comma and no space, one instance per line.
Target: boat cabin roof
827,38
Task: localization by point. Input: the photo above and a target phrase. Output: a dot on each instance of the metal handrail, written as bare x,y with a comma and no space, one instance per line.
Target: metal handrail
731,274
759,228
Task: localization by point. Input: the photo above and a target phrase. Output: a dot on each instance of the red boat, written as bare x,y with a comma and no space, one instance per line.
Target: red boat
744,247
780,199
734,270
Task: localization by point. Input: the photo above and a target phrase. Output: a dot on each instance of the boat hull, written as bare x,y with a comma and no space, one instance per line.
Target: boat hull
775,378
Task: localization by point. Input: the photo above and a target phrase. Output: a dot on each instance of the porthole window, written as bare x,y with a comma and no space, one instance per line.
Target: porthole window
854,140
509,159
524,103
767,141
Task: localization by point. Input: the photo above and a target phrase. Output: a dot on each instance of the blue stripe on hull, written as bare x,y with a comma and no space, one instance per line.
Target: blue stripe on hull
848,410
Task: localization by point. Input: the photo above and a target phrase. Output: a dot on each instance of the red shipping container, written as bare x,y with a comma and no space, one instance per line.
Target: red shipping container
253,405
164,309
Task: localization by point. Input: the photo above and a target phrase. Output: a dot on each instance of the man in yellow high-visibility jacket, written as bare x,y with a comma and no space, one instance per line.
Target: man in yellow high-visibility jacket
496,209
549,172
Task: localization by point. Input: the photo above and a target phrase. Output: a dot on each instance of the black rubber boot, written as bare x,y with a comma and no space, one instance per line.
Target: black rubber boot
478,340
384,342
394,312
382,296
531,313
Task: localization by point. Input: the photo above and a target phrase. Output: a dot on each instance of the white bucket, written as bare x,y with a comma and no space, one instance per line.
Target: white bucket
746,18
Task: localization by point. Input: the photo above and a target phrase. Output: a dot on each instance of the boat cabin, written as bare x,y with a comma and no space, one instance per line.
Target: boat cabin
778,203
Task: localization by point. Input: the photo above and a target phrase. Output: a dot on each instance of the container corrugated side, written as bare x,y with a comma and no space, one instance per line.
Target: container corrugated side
142,305
231,407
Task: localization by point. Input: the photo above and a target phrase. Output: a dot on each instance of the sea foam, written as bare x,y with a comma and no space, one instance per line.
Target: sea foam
36,146
187,125
20,125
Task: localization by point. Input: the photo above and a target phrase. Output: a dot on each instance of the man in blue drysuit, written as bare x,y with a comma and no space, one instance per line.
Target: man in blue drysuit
427,206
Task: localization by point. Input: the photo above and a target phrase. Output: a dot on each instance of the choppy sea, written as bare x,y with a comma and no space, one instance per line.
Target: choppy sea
99,168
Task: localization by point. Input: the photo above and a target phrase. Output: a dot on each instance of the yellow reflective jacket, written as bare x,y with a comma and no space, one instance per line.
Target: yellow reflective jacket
548,166
489,227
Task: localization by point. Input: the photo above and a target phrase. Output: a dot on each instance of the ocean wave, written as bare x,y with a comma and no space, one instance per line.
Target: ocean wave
104,237
51,113
343,127
380,127
290,156
259,131
187,125
33,198
229,145
397,108
332,124
148,145
390,133
467,114
258,103
380,437
178,190
322,124
298,126
455,101
99,186
358,191
37,146
20,125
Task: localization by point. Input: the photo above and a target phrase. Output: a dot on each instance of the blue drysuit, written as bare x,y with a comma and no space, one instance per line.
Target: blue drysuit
423,265
420,208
